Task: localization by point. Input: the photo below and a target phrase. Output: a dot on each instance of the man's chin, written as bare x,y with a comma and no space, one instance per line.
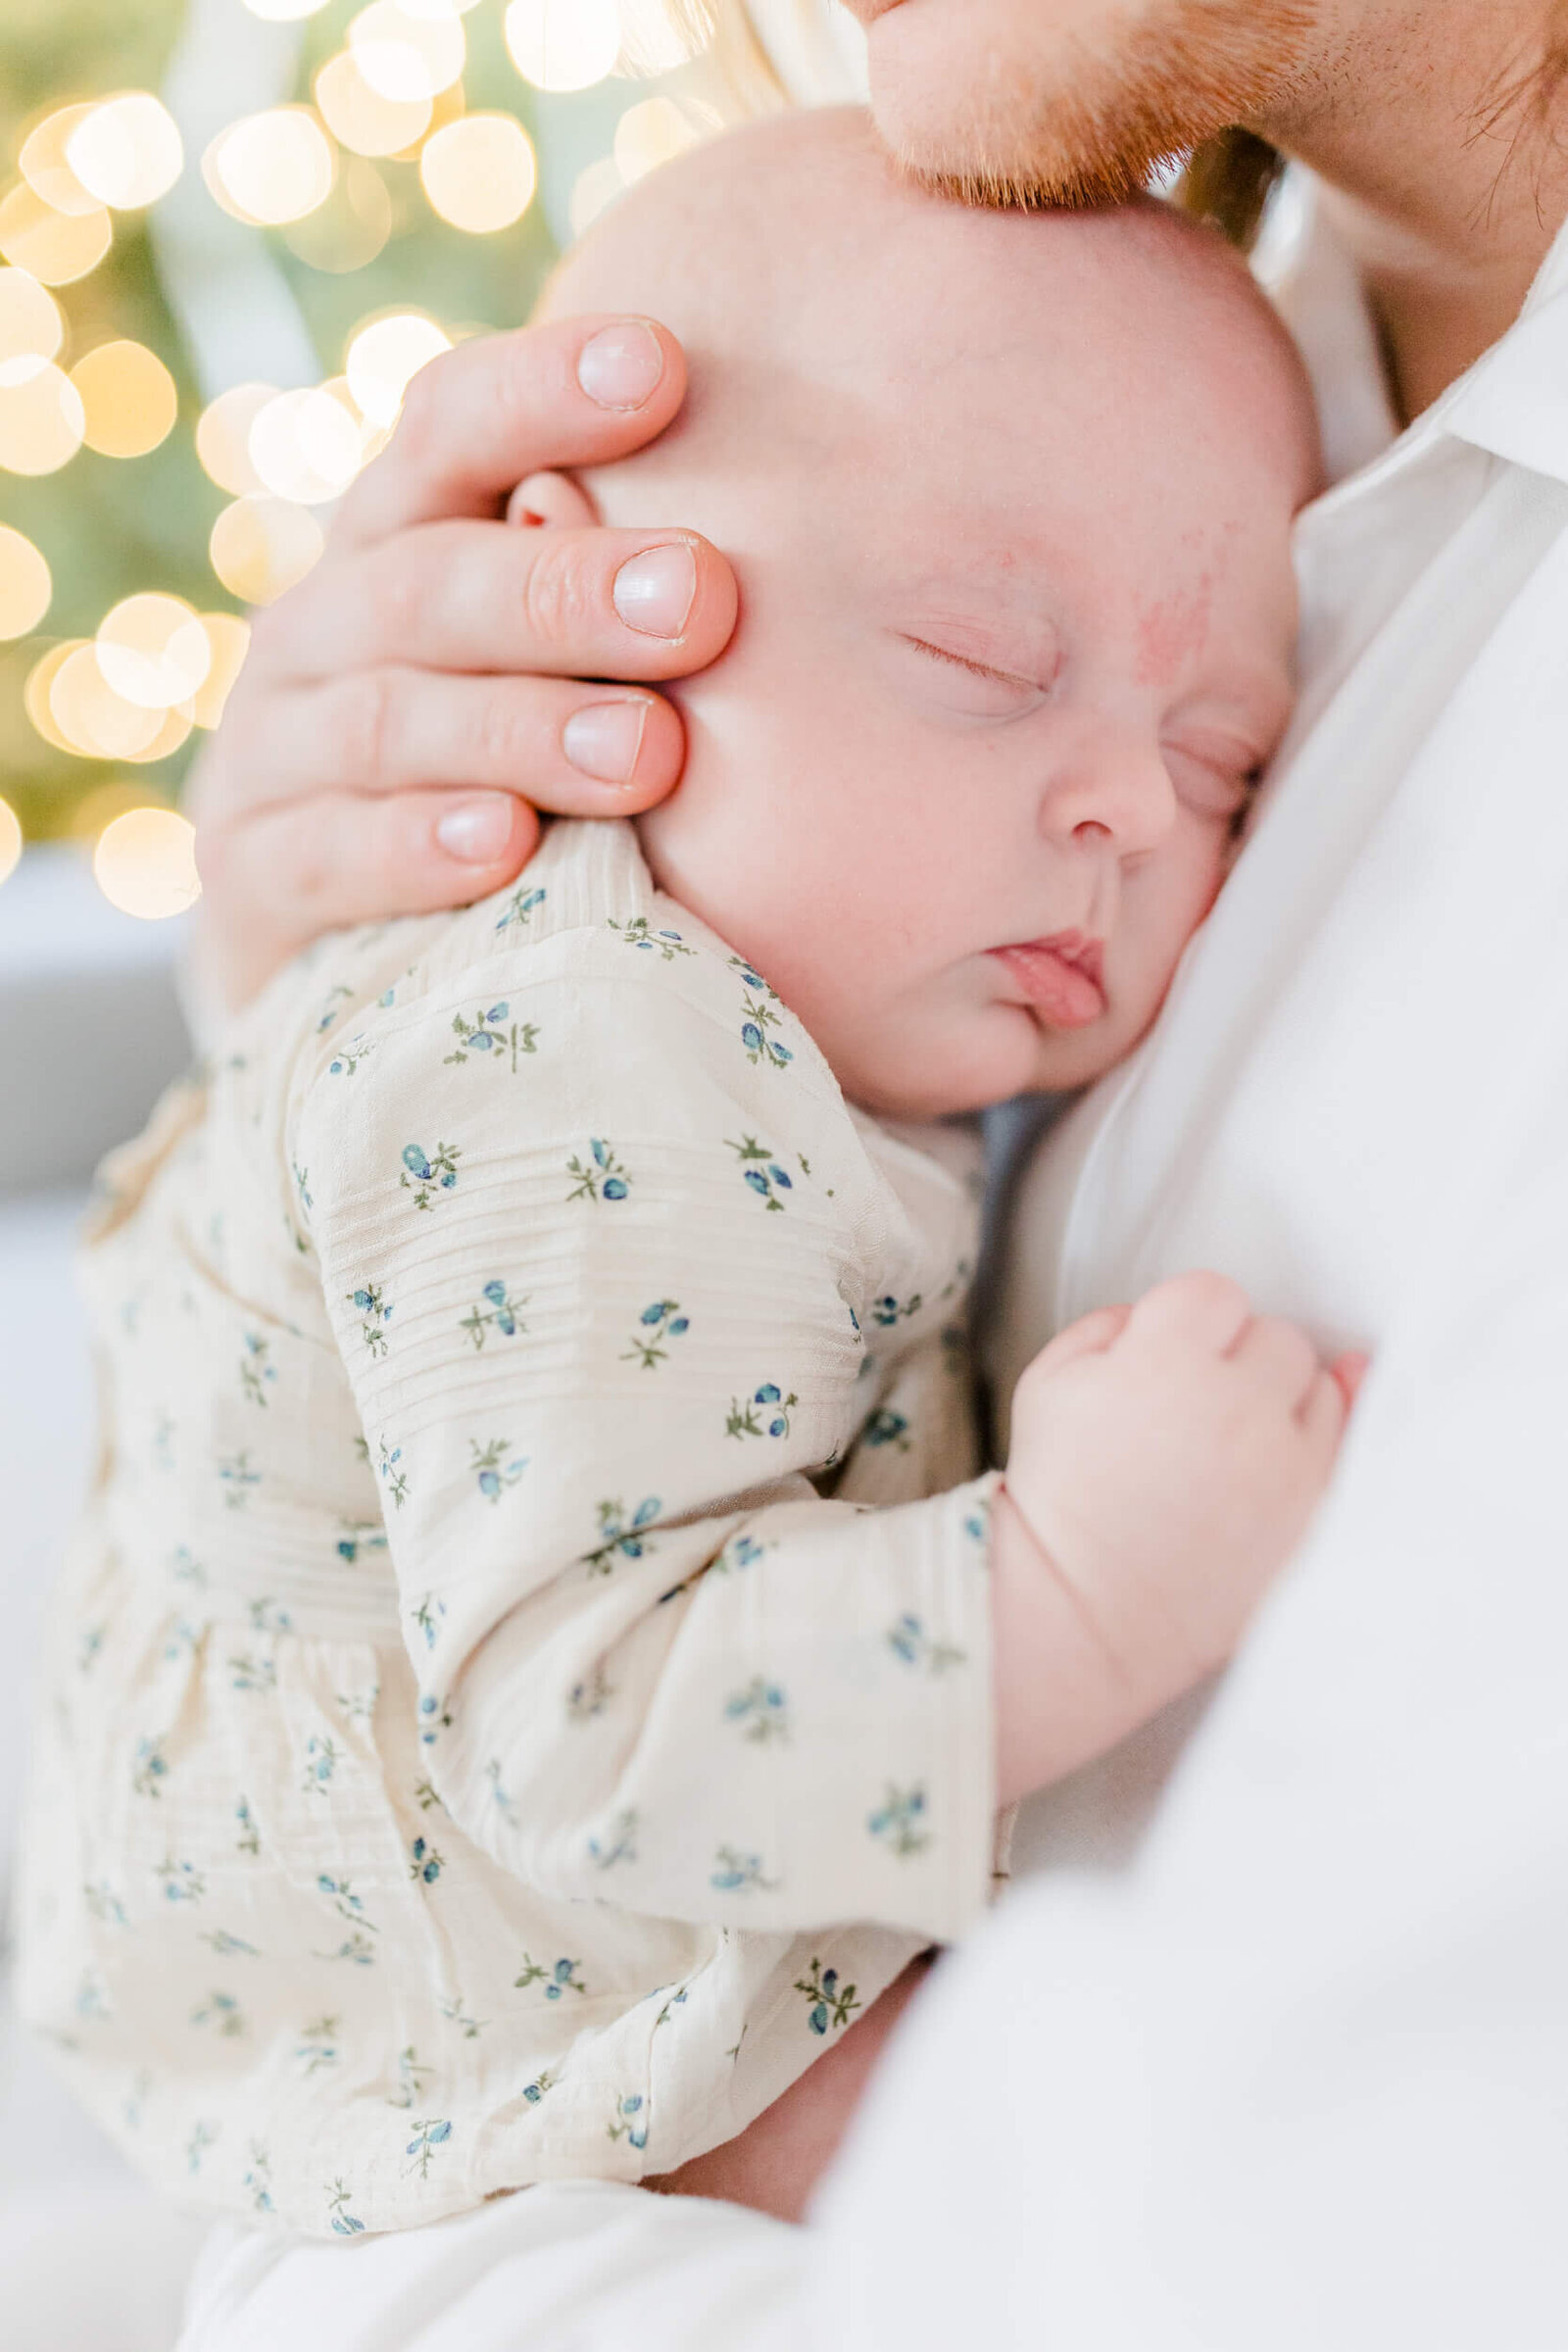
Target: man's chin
1052,117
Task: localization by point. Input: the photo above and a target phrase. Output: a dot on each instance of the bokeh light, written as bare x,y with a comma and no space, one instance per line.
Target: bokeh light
223,437
153,651
57,247
130,403
593,190
269,167
406,56
306,446
228,639
260,546
30,318
42,423
127,152
90,719
145,863
480,174
384,356
361,117
43,163
351,228
26,589
284,12
10,841
564,44
36,693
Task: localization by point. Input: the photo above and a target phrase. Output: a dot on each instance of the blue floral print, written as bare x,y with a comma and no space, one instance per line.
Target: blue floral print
470,2028
519,908
887,1428
640,933
890,1311
494,1311
591,1696
344,2223
735,1873
908,1640
768,1401
829,2004
150,1767
221,2011
182,1882
376,1308
661,1321
491,1469
237,1479
601,1176
762,1708
256,1372
484,1038
412,2078
428,1617
428,2136
347,1060
321,1764
561,1978
899,1821
249,1841
761,1172
424,1176
424,1863
618,1844
620,1540
395,1480
631,2121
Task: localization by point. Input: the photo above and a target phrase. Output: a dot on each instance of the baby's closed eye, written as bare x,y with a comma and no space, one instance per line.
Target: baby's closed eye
962,684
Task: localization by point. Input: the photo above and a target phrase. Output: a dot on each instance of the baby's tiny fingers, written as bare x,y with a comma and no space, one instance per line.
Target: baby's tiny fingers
1091,1335
1195,1310
1323,1412
1280,1352
1350,1370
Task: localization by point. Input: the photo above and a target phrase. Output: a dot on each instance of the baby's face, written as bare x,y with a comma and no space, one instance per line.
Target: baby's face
1017,614
970,775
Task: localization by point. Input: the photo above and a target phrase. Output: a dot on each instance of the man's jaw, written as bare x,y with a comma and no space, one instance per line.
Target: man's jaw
1051,104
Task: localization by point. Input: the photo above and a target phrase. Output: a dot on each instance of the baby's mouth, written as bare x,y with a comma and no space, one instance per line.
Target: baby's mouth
1060,977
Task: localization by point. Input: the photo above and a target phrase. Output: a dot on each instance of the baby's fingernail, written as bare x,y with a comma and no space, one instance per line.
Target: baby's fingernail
603,740
621,367
477,832
655,592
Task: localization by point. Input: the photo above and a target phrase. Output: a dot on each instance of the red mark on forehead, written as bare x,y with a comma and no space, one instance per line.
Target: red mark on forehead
1173,631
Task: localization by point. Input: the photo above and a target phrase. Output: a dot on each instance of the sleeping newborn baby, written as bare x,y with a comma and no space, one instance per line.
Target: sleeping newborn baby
540,1662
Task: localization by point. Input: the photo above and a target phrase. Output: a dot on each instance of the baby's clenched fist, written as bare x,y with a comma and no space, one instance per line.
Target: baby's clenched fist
1166,1462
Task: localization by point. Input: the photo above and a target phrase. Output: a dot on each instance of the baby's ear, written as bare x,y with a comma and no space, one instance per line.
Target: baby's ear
551,502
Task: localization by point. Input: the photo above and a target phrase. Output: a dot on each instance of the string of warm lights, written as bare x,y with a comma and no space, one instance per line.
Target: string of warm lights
385,120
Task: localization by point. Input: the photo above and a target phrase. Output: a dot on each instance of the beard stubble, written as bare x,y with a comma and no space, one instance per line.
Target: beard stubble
1101,122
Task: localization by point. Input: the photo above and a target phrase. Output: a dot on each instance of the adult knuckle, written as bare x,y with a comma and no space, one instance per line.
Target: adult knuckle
501,735
559,604
364,720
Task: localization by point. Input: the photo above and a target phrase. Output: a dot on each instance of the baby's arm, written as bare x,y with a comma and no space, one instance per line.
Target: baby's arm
655,1668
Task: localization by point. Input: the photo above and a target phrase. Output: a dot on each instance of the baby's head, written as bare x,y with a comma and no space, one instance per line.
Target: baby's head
1009,500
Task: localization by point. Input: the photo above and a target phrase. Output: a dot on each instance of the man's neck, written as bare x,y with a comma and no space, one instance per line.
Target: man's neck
1444,173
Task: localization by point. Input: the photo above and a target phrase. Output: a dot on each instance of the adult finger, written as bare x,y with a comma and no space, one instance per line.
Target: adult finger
339,858
466,596
475,421
581,750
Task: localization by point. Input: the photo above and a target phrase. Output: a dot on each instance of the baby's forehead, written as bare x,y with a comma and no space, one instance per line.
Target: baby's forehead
816,290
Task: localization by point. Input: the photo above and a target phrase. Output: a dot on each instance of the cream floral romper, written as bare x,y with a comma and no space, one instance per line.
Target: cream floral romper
483,1693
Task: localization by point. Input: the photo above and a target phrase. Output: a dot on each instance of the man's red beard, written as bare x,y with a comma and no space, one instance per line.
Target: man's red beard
1075,123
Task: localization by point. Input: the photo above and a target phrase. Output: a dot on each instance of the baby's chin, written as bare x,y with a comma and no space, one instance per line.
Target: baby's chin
920,1071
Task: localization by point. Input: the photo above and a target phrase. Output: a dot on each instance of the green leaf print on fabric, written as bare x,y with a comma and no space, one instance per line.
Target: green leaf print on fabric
519,908
908,1640
640,933
762,1708
495,1309
222,2013
886,1428
562,1977
829,2004
601,1176
493,1037
618,1844
428,2138
256,1372
426,1176
899,1821
344,2223
765,1414
735,1873
347,1060
620,1540
629,2119
761,1171
375,1309
661,1321
412,2078
491,1469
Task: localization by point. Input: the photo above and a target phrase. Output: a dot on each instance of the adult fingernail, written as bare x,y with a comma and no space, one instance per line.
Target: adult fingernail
621,367
655,592
604,739
477,832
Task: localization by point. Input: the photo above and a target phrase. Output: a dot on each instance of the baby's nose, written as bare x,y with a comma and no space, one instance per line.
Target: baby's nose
1113,795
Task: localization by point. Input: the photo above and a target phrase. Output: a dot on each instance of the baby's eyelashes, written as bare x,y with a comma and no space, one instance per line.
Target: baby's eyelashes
1215,779
973,689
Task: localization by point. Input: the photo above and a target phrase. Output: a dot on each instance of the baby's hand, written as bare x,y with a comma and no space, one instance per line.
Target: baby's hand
1166,1462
